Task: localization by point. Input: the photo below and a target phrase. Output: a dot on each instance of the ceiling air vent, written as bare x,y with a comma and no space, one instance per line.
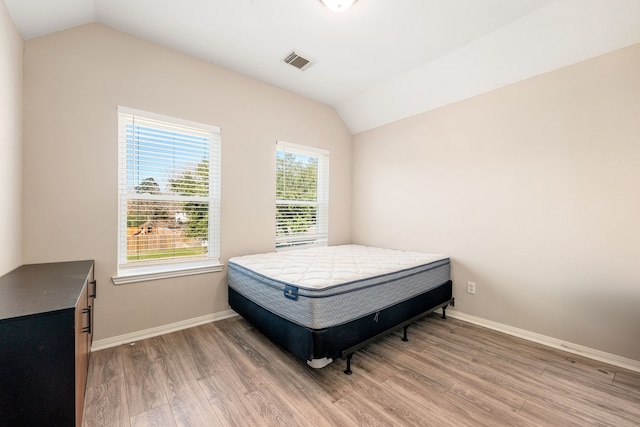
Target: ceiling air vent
298,60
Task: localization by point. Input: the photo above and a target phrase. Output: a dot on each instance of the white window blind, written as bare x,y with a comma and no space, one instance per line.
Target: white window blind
302,195
169,191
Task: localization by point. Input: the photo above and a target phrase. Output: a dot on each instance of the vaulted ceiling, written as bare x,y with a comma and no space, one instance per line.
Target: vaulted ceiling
381,60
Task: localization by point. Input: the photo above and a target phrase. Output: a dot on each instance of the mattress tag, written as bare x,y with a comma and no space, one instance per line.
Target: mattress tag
291,292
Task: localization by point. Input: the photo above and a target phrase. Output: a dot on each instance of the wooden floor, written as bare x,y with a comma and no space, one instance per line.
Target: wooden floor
450,373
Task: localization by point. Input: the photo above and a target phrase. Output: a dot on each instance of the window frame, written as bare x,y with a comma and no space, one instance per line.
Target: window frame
175,267
322,200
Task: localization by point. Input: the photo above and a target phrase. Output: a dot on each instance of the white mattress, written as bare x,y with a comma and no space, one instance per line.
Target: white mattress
328,286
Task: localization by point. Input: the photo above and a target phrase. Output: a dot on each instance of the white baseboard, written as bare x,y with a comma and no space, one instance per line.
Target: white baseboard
601,356
160,330
612,359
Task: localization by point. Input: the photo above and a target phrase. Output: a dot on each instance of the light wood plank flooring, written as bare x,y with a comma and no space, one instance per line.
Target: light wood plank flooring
450,373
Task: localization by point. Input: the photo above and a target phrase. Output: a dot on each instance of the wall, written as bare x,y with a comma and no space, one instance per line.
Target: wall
11,87
532,189
74,81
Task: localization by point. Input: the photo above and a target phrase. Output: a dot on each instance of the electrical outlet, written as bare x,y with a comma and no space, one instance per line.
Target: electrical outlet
471,287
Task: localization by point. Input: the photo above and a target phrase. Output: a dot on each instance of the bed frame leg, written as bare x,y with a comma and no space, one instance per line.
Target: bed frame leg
444,312
348,370
404,333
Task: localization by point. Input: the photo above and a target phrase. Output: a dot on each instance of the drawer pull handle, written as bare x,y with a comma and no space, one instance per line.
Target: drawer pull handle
95,289
87,311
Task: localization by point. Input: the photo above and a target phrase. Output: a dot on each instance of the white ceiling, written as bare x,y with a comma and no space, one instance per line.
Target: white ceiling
381,60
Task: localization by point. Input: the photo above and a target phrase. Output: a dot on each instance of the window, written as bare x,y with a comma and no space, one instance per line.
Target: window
169,197
302,195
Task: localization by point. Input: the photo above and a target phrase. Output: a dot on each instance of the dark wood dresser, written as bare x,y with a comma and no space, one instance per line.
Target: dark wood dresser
46,328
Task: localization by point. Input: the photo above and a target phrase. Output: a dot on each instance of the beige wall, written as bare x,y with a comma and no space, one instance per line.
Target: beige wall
11,46
74,81
533,190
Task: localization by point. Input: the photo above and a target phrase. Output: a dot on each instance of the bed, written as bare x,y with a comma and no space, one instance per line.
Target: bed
322,303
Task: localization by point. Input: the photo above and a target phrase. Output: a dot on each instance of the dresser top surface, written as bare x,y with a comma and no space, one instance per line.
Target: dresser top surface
41,288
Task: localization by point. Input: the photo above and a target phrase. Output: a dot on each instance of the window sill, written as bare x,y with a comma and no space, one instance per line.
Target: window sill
143,274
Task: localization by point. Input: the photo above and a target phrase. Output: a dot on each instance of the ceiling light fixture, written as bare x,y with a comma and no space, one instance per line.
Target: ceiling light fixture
338,5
